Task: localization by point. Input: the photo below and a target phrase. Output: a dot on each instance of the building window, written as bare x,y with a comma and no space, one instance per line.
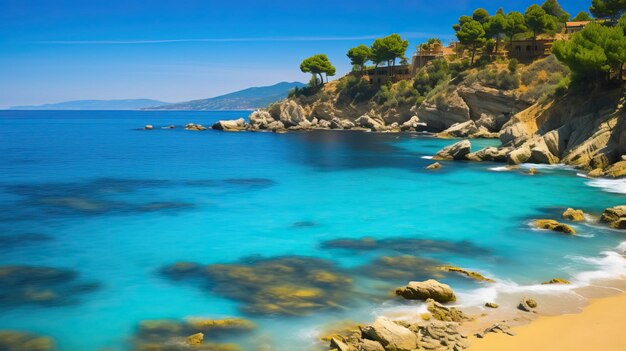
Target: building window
518,48
527,47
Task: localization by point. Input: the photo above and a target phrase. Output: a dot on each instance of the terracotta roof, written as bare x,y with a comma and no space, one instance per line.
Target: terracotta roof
576,23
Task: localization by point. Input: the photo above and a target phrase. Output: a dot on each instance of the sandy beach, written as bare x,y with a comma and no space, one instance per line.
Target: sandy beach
600,326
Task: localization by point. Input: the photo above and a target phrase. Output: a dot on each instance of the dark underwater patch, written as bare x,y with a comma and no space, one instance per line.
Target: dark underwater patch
173,334
13,340
288,285
41,286
304,224
406,246
8,241
104,196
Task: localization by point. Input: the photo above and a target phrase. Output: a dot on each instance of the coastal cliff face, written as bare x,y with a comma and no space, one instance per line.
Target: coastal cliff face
536,118
586,130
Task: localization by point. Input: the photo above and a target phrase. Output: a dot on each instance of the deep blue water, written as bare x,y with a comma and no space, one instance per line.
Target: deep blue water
92,193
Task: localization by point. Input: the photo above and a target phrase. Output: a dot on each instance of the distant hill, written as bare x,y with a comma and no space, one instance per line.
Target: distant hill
131,104
246,99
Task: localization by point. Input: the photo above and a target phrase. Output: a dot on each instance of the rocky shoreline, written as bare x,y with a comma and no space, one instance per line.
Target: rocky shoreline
447,328
587,131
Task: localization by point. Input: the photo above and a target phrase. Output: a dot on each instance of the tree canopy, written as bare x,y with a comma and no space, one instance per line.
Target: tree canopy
593,53
515,24
612,9
462,20
389,49
582,16
538,21
480,15
359,55
316,65
553,8
495,27
472,34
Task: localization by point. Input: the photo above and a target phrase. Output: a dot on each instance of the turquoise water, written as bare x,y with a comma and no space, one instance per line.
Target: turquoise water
116,204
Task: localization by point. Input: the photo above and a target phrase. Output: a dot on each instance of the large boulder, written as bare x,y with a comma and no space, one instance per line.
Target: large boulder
618,169
366,121
429,289
390,335
413,124
519,155
260,119
574,215
615,217
550,224
291,114
234,125
338,123
460,130
490,153
456,151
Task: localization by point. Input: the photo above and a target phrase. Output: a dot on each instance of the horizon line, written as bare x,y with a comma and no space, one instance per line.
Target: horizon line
412,35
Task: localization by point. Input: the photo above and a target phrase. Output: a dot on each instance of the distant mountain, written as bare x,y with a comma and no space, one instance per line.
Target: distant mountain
246,99
131,104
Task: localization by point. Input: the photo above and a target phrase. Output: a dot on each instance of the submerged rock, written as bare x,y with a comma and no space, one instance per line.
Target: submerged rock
289,285
429,289
469,274
190,334
12,340
402,268
574,215
615,217
553,225
214,326
195,339
435,165
456,151
43,286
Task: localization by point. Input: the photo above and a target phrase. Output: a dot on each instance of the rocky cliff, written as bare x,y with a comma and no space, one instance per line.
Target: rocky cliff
535,123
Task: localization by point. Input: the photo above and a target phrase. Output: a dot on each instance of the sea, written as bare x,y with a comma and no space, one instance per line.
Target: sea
295,232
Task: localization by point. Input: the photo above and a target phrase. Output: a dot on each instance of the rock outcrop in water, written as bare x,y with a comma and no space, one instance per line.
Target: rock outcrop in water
429,289
615,217
550,224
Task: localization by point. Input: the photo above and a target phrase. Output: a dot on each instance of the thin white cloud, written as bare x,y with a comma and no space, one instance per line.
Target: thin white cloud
411,35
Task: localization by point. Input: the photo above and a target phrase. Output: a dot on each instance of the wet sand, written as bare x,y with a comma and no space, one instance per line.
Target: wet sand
600,326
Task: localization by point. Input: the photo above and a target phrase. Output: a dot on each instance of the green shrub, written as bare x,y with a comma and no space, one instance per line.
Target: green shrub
513,63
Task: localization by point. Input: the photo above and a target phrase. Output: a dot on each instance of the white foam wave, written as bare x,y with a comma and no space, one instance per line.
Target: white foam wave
616,186
609,265
427,157
559,166
500,169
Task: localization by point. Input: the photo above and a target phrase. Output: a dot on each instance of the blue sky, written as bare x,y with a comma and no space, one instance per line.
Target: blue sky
60,50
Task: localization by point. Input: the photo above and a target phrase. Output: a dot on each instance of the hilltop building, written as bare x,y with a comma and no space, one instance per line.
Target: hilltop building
526,49
423,55
576,26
